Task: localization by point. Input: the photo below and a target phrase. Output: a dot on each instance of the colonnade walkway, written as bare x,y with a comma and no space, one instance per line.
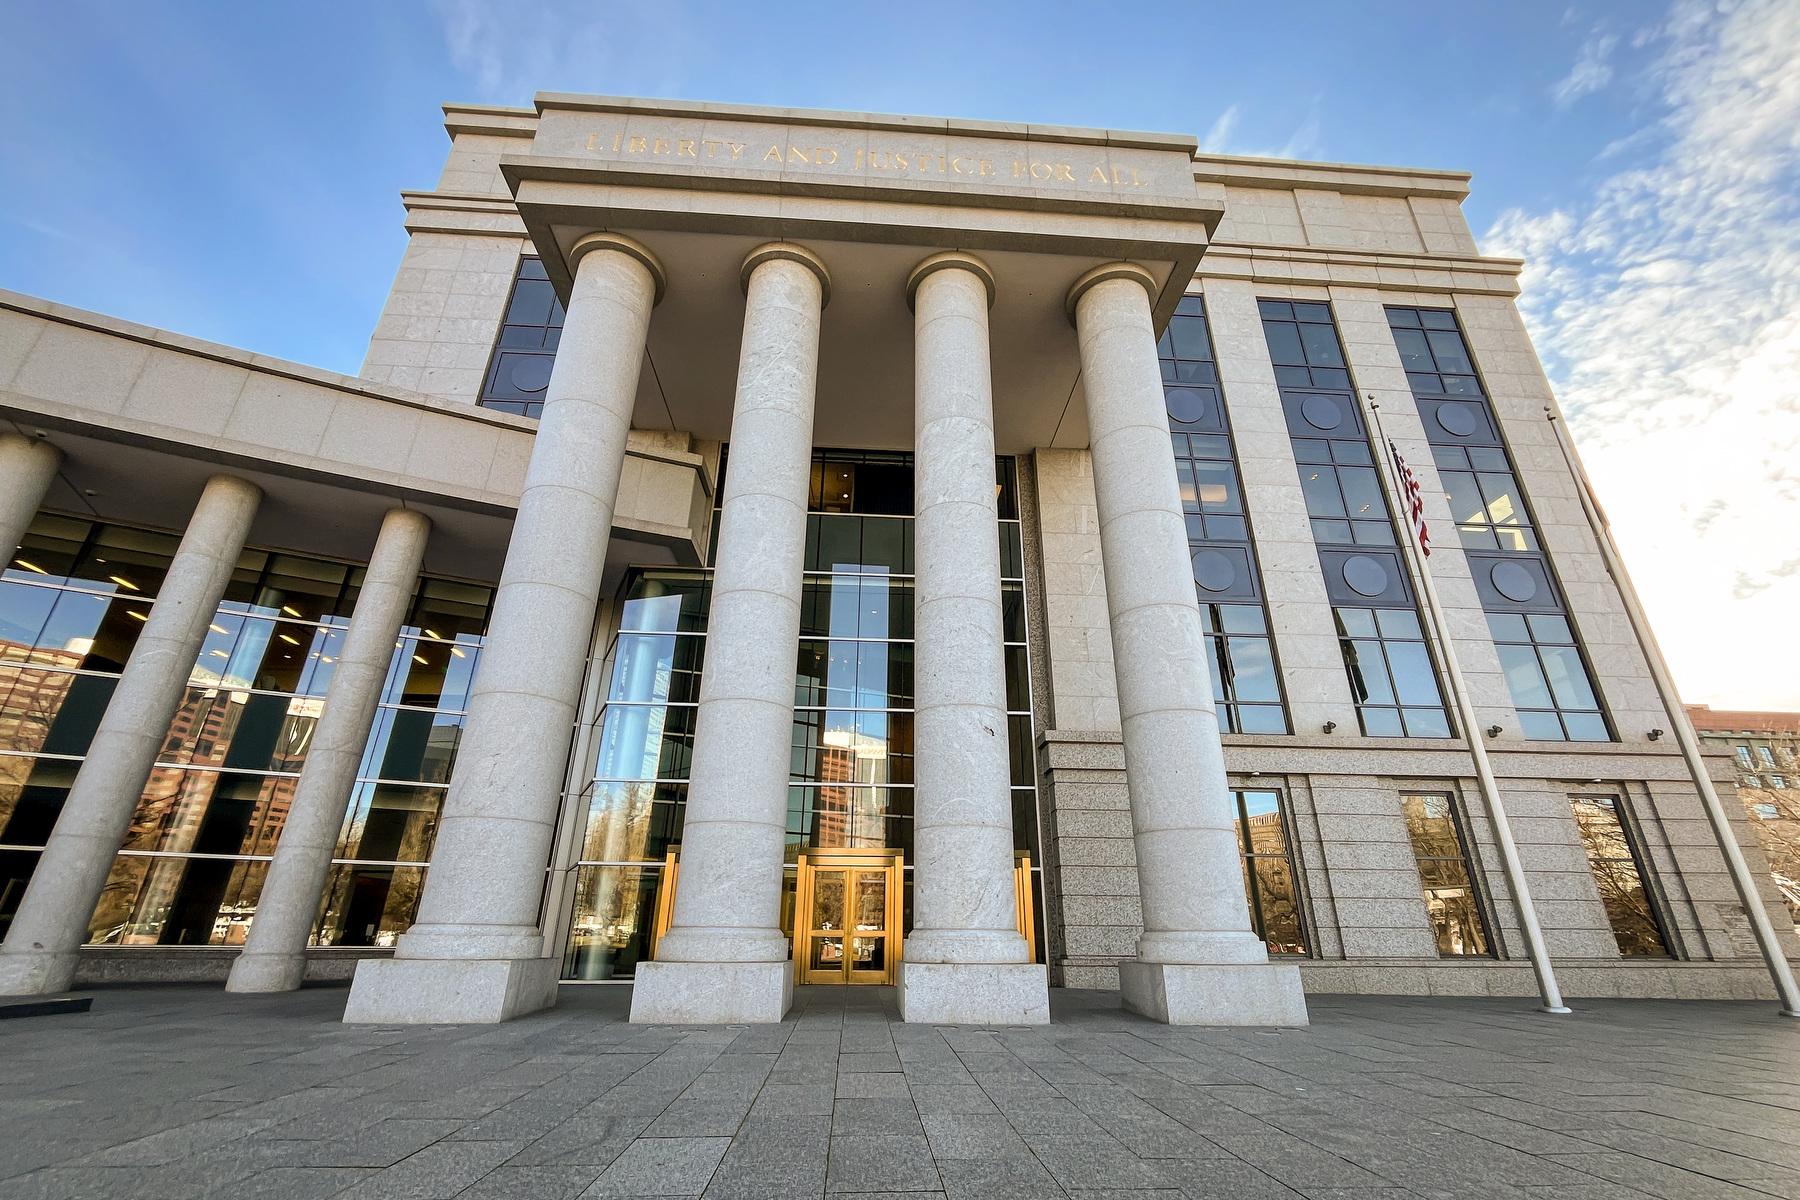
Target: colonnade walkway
191,1092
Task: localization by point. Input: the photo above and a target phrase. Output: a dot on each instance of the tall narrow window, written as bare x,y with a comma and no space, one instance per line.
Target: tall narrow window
1619,876
1269,884
519,372
1385,655
1551,686
1451,901
1246,687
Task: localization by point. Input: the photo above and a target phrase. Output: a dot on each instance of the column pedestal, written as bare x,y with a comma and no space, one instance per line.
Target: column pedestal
712,993
421,991
1229,994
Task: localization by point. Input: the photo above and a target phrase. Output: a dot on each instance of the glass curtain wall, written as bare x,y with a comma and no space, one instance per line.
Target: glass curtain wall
1391,673
192,864
1551,686
851,753
1246,685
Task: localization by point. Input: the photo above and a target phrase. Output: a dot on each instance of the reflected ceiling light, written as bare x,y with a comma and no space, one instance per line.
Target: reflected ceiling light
219,629
457,652
433,634
420,659
31,566
124,582
290,610
219,654
135,613
292,641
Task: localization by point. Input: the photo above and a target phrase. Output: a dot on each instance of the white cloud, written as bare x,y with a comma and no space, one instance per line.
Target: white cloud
1668,310
1591,72
1219,136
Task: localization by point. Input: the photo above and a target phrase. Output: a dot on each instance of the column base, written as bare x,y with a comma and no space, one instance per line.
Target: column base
438,991
712,993
36,973
974,993
1192,994
265,972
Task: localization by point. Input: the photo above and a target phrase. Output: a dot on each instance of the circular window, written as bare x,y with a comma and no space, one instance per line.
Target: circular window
1513,581
1322,412
1366,576
529,373
1457,419
1214,571
1187,406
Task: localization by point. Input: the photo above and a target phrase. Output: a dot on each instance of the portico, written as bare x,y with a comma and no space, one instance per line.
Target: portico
905,286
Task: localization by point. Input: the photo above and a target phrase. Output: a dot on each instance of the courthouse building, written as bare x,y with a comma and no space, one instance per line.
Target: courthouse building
771,547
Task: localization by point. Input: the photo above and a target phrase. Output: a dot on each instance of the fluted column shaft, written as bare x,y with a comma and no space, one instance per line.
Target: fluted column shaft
476,951
273,957
42,945
964,959
724,957
27,467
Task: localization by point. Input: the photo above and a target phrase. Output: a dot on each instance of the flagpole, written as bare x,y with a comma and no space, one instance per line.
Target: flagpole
1550,994
1741,879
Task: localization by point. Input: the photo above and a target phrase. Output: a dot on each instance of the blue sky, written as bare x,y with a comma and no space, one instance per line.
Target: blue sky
231,172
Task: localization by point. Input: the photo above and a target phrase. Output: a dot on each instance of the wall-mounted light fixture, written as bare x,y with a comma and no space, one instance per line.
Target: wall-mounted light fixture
1656,734
1494,731
1330,725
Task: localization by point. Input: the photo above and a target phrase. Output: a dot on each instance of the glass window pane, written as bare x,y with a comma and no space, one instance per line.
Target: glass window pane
1426,722
1541,726
1319,483
1260,718
1380,722
368,905
1414,680
1447,348
1320,345
1415,354
1367,661
1253,669
1523,677
1568,677
613,922
1284,345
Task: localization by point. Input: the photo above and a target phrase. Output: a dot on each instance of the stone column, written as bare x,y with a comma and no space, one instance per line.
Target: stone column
965,961
725,958
27,466
1198,962
476,953
52,922
273,957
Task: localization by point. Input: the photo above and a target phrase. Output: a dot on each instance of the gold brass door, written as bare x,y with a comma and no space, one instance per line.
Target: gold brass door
847,918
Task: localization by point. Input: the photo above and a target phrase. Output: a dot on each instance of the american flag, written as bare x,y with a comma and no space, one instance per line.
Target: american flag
1415,503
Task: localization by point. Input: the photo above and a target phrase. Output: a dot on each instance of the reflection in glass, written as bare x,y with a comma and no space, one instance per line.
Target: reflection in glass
1619,877
177,902
368,904
1269,872
1451,903
614,919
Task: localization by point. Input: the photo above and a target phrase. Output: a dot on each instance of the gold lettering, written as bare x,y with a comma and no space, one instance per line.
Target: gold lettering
616,139
637,145
660,146
1018,168
956,165
774,152
819,159
985,167
1135,181
1099,176
796,154
857,165
736,149
899,161
686,146
1040,170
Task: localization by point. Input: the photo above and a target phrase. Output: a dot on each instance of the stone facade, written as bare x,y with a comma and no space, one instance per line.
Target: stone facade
680,194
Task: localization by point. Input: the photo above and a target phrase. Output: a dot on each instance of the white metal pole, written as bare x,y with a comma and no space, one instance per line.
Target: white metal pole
1779,969
1473,734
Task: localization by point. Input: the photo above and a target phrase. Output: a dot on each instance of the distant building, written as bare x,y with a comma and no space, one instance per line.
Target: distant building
1765,749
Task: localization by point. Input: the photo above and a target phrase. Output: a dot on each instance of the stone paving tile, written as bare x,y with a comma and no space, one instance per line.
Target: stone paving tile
186,1092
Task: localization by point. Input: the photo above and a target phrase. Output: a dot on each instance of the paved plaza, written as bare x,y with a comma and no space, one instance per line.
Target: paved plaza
187,1092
